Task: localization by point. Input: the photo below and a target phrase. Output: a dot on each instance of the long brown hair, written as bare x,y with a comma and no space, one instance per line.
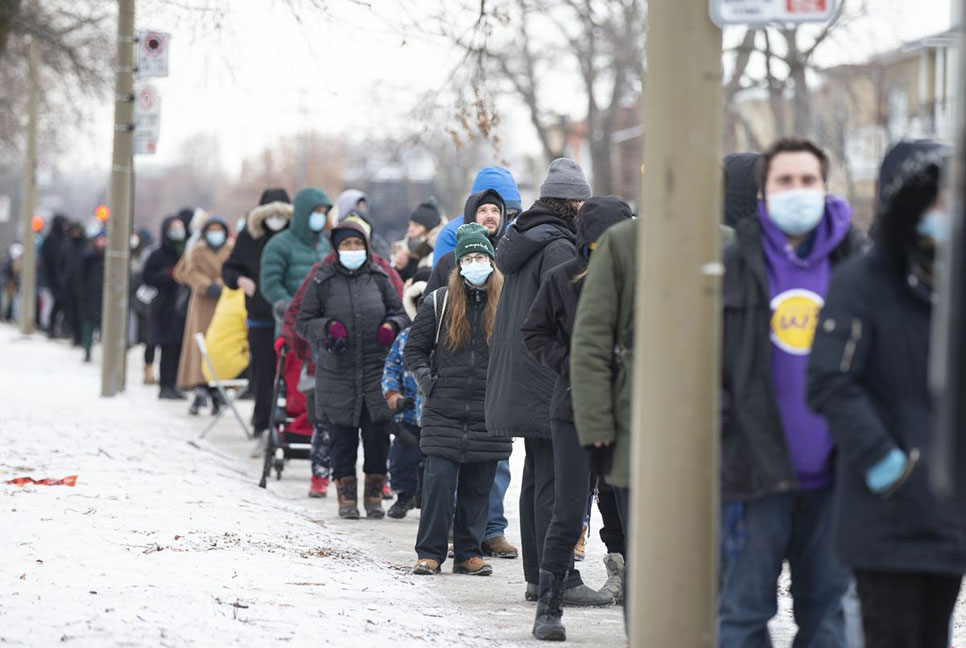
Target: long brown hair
457,324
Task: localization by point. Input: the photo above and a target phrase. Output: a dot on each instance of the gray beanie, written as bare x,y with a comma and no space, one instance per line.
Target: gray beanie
565,180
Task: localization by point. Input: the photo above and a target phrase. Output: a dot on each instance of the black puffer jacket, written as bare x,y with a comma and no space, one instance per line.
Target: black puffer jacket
518,389
92,286
445,265
246,257
167,328
362,300
454,383
550,324
741,187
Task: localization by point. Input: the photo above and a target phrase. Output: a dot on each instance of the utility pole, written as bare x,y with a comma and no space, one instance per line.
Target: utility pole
28,272
117,257
674,451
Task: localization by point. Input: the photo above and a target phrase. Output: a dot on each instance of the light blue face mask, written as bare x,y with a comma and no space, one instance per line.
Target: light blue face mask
933,225
796,211
352,259
215,238
477,273
317,221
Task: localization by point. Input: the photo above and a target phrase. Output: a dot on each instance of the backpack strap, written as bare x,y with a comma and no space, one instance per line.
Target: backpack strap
439,313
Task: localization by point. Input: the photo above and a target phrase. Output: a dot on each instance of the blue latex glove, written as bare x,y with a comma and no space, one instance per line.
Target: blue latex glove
883,475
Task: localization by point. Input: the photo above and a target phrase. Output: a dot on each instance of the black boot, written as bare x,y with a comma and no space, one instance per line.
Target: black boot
200,400
547,626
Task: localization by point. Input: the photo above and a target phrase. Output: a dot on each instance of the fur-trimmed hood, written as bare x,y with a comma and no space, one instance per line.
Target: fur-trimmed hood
411,296
255,220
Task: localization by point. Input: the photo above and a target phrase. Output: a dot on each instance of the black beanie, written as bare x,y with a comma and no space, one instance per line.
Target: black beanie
426,214
340,234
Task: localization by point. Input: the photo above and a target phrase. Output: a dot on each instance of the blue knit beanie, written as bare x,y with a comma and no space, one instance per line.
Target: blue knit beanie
500,180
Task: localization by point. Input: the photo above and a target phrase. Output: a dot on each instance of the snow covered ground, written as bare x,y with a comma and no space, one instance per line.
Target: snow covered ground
166,540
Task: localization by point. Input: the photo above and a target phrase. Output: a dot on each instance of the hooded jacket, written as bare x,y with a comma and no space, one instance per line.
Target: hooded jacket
549,326
50,251
518,389
453,382
445,265
347,202
246,257
288,257
167,327
362,300
868,375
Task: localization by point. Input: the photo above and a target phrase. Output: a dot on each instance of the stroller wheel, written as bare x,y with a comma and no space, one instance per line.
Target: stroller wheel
279,465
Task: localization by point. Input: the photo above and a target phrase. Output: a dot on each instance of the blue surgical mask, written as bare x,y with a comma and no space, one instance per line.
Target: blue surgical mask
477,273
352,259
934,225
796,211
317,221
215,238
177,234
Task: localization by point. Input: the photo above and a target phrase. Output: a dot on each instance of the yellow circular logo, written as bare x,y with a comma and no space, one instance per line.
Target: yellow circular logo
793,321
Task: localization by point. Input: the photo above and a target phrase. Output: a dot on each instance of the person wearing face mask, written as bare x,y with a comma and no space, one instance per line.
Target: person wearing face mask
241,271
546,333
202,274
166,328
776,454
425,224
519,390
868,377
448,354
350,314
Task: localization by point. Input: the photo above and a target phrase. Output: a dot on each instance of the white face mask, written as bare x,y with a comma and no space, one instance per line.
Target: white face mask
477,272
275,223
796,211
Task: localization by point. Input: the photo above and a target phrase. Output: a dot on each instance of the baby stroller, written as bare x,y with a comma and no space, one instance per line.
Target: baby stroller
289,432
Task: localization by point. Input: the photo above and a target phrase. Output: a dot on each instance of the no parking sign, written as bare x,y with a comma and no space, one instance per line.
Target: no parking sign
153,53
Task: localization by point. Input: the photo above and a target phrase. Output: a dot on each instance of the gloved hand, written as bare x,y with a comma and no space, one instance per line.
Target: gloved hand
336,337
279,345
888,472
402,403
213,291
408,404
386,334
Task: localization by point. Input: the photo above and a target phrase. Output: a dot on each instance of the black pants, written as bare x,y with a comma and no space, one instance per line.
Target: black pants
345,447
72,318
570,498
170,357
149,351
906,610
536,507
472,483
261,347
612,529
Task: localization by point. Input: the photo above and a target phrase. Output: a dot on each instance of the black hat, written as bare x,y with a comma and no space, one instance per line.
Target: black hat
344,230
426,214
274,195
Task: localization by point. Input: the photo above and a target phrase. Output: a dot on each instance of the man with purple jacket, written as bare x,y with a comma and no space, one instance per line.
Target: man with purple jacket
776,455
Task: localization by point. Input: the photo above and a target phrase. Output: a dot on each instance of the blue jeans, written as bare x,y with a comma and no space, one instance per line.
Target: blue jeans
496,523
756,538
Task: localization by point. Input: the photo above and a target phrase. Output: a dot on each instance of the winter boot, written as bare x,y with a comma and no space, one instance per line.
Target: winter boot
614,562
348,489
404,503
498,547
580,549
473,566
261,440
217,402
547,626
319,487
426,567
199,400
149,378
387,491
583,596
532,593
171,393
373,496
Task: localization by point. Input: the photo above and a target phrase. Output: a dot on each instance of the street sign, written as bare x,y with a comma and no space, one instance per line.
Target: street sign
771,12
153,53
147,120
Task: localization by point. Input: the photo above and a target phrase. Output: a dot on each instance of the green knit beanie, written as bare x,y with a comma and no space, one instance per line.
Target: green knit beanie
471,239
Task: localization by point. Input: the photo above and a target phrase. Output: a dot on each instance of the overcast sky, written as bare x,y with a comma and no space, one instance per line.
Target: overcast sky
264,73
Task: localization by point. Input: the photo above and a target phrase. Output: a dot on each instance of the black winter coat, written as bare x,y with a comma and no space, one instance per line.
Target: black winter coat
245,259
50,251
362,300
868,377
549,327
167,328
453,384
92,286
754,453
518,389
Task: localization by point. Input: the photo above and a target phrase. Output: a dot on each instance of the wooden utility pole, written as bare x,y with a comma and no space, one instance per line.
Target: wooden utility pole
117,257
674,489
28,271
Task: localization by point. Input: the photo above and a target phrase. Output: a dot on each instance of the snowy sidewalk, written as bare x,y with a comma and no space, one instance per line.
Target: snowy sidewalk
168,541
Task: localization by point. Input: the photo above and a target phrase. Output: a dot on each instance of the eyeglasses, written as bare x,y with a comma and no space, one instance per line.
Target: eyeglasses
474,258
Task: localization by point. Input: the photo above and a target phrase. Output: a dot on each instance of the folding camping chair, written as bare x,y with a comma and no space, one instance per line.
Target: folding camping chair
222,386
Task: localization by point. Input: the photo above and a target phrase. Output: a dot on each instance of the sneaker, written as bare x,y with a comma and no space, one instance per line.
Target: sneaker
171,393
426,567
319,487
258,450
402,505
474,566
498,547
580,549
